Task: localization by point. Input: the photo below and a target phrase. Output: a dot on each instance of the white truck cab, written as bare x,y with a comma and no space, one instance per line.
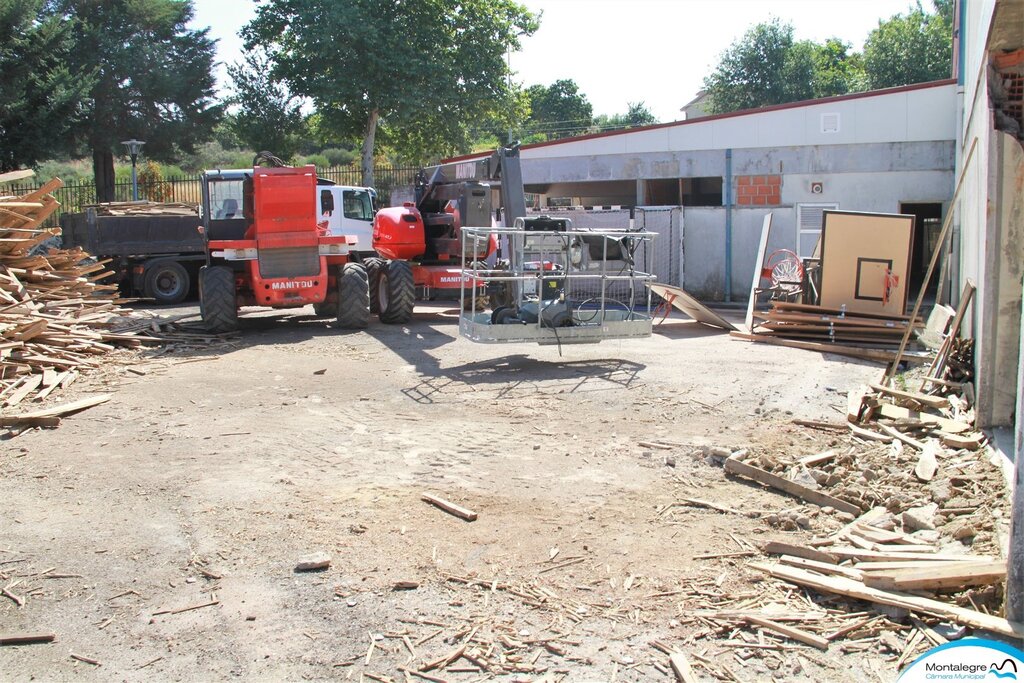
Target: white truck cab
347,210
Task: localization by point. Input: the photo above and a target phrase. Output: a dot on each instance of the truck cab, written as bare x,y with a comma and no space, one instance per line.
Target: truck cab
347,210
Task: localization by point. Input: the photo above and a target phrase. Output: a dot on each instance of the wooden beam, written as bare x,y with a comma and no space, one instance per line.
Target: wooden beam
789,632
449,507
855,589
681,668
939,575
736,466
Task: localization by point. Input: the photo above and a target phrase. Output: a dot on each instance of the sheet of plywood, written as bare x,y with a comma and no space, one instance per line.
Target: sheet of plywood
690,306
762,249
857,251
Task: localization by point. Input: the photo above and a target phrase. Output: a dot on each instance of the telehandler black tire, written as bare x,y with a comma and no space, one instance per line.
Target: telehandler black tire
218,303
396,292
353,297
373,267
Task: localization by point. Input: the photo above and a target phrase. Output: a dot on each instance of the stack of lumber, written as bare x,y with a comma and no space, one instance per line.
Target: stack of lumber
804,321
145,208
57,318
828,330
889,567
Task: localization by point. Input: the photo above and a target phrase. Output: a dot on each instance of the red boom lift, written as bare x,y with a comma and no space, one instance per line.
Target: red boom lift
273,252
428,232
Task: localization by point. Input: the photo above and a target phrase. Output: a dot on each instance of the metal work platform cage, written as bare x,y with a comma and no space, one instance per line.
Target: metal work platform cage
556,286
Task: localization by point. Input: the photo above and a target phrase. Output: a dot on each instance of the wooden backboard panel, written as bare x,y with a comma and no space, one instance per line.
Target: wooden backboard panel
862,256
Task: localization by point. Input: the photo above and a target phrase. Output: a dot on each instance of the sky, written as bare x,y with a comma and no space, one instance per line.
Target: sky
620,51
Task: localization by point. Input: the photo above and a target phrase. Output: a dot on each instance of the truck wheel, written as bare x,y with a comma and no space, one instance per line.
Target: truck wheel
396,292
353,297
167,282
373,267
217,299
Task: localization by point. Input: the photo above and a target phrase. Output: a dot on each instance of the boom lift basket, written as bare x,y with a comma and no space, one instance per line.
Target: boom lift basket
556,286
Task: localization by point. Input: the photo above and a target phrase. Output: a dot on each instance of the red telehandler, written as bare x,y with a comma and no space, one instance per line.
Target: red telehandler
266,246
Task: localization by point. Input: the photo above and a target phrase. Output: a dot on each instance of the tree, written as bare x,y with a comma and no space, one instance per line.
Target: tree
760,69
154,79
41,98
267,115
911,48
558,110
428,72
637,115
837,71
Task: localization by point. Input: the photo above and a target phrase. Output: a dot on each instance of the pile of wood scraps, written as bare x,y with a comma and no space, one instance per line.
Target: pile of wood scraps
57,316
873,559
145,208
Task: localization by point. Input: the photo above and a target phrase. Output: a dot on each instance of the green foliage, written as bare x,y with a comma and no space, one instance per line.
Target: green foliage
911,48
837,71
429,71
339,157
637,114
768,67
151,183
154,74
41,100
267,117
558,110
763,68
318,160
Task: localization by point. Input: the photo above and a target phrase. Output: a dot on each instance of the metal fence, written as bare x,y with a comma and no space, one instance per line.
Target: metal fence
74,196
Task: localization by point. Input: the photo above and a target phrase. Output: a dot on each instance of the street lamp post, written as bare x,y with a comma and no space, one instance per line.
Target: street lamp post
134,147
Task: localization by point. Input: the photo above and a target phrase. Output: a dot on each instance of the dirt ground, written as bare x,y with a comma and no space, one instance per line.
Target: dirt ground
210,477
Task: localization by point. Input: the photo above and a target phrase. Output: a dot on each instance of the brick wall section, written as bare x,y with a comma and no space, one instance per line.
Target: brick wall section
758,190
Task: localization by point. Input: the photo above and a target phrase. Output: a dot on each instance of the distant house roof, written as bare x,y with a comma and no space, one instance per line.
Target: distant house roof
718,117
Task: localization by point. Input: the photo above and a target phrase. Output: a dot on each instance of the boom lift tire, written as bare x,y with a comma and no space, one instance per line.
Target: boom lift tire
353,297
373,267
396,292
167,282
217,300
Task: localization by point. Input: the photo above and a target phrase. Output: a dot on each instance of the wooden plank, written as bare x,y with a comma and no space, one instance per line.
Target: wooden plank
897,434
736,466
945,424
449,507
855,404
937,576
823,310
817,458
821,347
855,589
867,433
26,638
29,385
681,668
762,249
789,632
783,548
923,399
863,555
56,411
11,176
821,567
972,441
682,300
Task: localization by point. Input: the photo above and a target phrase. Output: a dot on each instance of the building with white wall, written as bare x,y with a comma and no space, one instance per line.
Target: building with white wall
989,236
889,150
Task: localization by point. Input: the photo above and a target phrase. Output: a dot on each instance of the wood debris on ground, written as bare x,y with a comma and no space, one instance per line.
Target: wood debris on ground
58,318
145,208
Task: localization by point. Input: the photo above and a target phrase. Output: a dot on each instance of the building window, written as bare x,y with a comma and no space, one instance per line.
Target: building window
808,220
685,191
